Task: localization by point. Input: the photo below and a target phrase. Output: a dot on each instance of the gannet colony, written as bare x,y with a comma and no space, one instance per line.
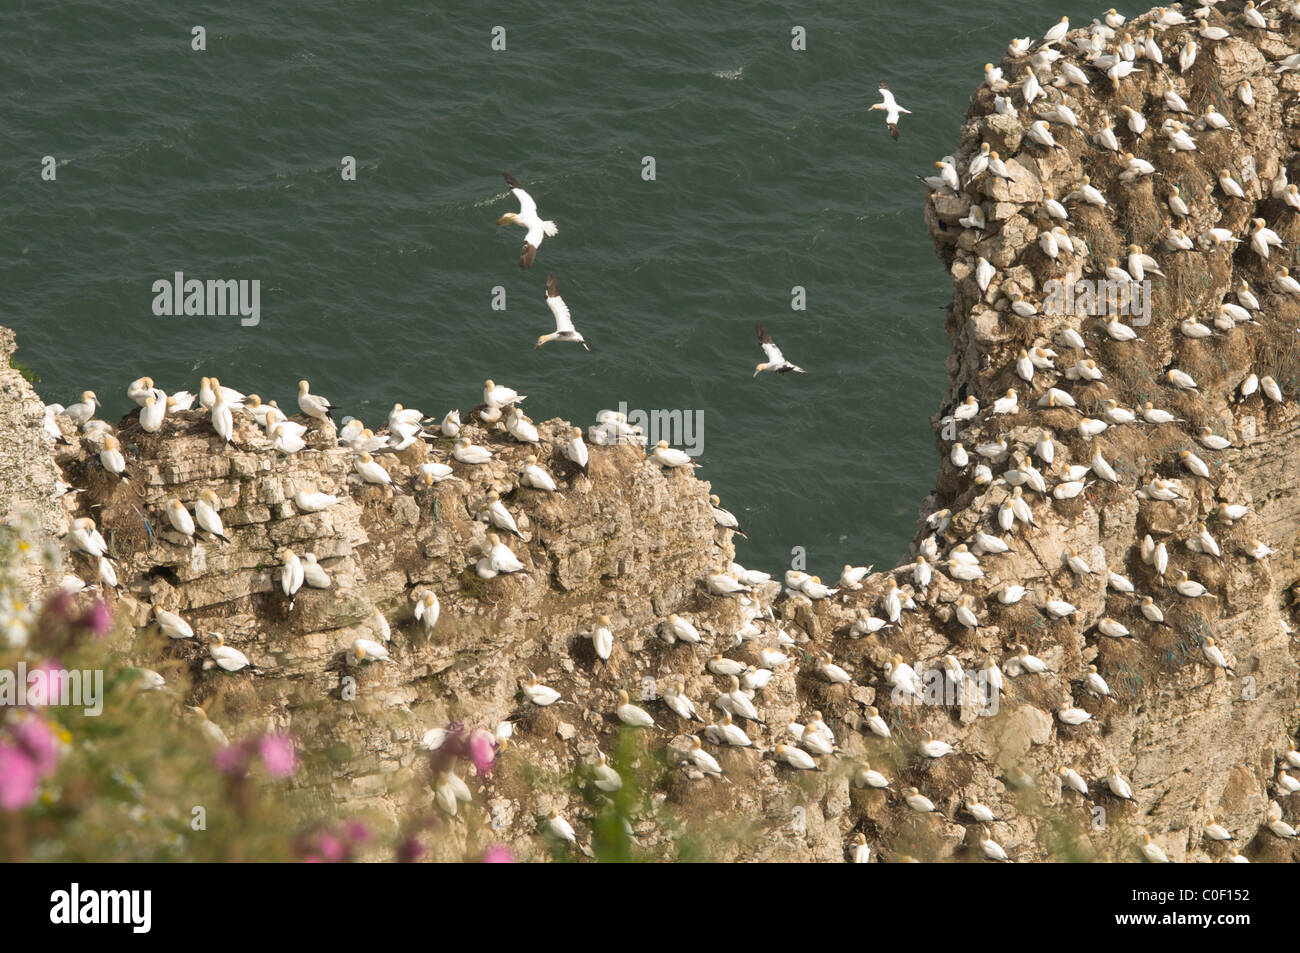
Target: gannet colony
1096,619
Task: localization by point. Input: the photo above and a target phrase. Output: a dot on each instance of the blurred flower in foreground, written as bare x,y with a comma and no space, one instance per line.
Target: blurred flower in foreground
498,854
18,778
278,755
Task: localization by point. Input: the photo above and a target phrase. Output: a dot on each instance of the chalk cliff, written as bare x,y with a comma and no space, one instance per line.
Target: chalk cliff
636,542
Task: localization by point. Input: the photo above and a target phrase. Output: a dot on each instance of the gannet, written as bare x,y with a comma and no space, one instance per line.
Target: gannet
993,77
1189,588
1180,380
776,361
531,475
226,658
291,574
933,748
702,759
312,573
152,413
81,412
370,470
380,624
1214,655
555,823
538,694
527,218
724,732
602,638
497,558
85,537
875,723
1257,549
1118,785
632,715
311,501
671,457
1057,32
1151,611
918,801
832,672
564,330
675,698
1152,851
1058,608
180,519
171,624
207,513
367,650
313,405
891,108
223,421
1216,831
989,847
519,426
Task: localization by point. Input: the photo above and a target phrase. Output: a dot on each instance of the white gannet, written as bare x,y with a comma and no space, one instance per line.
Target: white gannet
859,852
85,537
291,574
171,624
433,472
702,759
675,698
312,573
1152,851
367,650
208,516
776,361
152,413
223,421
631,714
284,438
494,512
370,470
313,405
531,475
602,638
497,396
519,426
180,519
1189,588
110,457
875,723
226,658
1073,780
427,610
1270,389
564,330
81,412
671,457
989,847
466,452
892,110
311,501
918,801
1214,655
379,623
575,451
450,425
497,558
538,694
1194,464
795,757
527,218
1118,785
1057,32
1072,716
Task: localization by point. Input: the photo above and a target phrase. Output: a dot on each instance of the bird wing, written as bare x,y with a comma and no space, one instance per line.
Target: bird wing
526,204
888,98
774,355
563,322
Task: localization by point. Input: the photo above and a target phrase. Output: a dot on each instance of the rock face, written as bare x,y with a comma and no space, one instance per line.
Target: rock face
637,542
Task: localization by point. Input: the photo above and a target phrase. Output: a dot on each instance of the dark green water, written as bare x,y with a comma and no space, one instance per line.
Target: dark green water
771,172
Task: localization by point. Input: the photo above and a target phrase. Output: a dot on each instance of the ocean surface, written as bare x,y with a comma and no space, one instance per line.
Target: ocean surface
771,172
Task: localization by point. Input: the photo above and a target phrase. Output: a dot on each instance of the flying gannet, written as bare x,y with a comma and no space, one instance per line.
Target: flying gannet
776,361
564,330
892,110
527,218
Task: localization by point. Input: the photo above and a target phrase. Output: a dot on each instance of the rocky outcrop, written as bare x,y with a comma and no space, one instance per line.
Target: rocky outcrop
636,542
